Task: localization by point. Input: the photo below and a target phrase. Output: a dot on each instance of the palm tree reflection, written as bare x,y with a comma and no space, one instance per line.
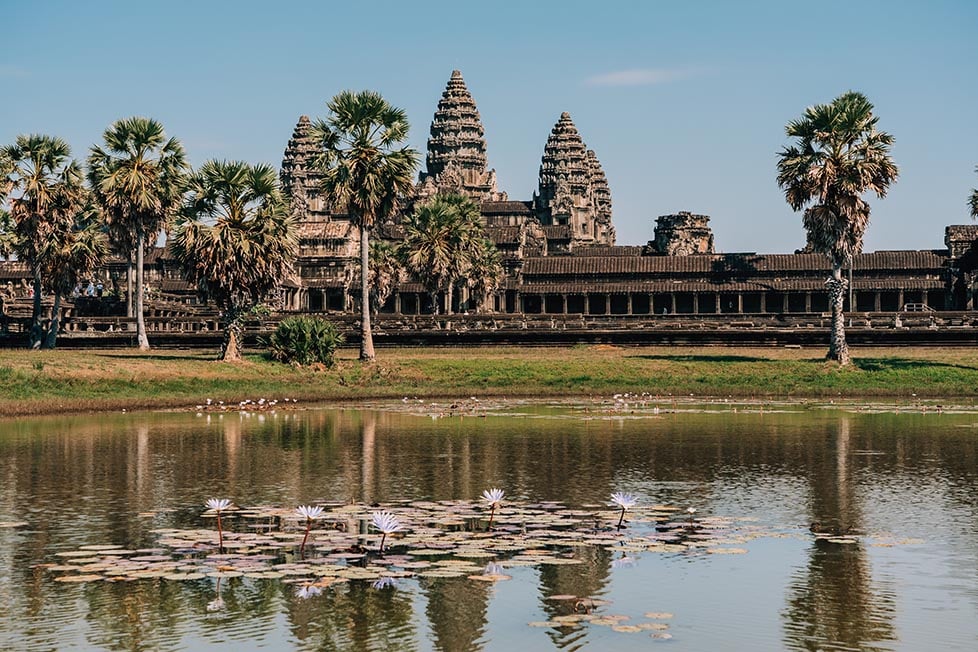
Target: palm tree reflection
833,601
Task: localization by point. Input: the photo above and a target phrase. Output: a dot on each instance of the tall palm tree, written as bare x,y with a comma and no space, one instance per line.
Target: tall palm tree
45,189
138,180
837,158
70,255
973,201
365,172
236,239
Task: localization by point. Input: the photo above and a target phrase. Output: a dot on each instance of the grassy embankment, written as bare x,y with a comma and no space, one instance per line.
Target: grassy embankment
39,382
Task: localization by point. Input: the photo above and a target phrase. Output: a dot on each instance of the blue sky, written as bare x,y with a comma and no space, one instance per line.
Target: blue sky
684,102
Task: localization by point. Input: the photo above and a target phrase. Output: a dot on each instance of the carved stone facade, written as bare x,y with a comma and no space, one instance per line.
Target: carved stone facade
456,161
682,234
573,190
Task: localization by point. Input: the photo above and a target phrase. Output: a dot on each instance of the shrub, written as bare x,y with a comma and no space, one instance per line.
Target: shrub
304,341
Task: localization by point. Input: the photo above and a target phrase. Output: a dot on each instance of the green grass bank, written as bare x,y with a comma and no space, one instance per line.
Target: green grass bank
45,382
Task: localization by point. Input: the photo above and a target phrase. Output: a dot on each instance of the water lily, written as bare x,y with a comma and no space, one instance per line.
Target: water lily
386,523
218,505
307,591
385,583
493,496
492,568
310,513
690,511
625,502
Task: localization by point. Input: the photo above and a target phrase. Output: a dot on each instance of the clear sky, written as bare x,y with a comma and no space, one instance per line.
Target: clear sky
684,102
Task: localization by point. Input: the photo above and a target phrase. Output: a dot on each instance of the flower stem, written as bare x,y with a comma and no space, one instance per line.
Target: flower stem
302,548
492,512
621,518
382,539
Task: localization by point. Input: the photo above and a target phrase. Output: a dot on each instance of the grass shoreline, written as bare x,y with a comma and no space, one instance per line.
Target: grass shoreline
65,381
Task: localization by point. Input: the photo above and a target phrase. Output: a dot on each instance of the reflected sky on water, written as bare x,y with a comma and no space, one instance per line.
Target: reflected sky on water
904,481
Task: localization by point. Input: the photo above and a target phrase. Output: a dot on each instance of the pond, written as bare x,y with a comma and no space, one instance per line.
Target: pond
108,497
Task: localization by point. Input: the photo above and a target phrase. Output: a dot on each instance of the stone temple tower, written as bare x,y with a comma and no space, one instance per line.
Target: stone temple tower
456,161
573,188
299,178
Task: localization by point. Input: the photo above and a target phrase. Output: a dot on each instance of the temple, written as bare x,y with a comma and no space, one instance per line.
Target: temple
558,251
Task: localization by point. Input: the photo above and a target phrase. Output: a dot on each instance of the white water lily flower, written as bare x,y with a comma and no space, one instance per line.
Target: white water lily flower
690,510
492,568
307,591
493,496
217,504
385,522
309,512
623,500
385,583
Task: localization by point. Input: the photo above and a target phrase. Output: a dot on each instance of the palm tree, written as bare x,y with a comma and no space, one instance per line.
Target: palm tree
838,157
445,247
386,272
44,187
8,235
431,246
138,181
365,172
70,255
973,201
236,239
485,272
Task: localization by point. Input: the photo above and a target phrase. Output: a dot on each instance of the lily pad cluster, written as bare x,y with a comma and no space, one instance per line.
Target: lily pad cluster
435,539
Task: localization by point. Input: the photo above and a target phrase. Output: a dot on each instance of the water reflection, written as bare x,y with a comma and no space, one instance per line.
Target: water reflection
833,603
456,609
114,479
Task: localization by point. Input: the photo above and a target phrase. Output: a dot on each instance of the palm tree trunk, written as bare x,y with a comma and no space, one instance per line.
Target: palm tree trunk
838,349
448,299
129,282
141,338
230,347
37,333
51,340
231,342
366,337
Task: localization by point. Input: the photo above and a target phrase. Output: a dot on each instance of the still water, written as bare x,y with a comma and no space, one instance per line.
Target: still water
904,480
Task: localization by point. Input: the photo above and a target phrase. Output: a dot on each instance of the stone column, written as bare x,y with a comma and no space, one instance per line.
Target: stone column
563,299
696,302
808,302
900,299
763,302
877,303
740,303
784,302
629,310
672,297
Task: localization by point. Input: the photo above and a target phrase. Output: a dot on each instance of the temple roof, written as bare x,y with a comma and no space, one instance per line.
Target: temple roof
892,262
506,208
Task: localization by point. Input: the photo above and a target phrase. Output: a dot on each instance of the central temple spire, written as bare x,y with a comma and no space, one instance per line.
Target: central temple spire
456,160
